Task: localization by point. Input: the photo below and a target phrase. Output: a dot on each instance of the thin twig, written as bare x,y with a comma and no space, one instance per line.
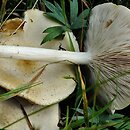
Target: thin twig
26,116
35,4
11,13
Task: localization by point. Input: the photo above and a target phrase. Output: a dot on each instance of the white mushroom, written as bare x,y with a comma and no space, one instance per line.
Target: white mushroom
109,44
15,72
107,52
54,87
39,118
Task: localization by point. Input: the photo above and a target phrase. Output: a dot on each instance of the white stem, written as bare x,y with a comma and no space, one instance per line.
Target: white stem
41,54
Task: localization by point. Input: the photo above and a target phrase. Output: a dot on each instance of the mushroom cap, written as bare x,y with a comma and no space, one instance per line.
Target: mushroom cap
108,41
12,117
13,73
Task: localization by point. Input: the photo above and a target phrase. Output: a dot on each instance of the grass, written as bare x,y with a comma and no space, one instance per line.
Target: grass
82,114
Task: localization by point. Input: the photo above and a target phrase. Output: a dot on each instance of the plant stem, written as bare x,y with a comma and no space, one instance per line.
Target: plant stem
2,11
85,100
42,54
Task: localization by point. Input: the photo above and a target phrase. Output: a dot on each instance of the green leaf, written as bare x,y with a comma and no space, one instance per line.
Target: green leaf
53,32
125,124
50,6
58,6
56,11
64,12
81,20
73,10
115,116
56,17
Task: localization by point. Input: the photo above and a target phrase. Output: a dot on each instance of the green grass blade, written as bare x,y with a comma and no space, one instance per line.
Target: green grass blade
15,92
101,111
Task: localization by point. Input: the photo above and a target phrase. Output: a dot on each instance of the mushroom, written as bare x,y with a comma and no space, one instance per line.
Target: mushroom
54,87
12,116
106,52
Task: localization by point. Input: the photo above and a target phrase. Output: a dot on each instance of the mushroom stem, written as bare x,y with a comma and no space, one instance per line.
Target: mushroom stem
42,54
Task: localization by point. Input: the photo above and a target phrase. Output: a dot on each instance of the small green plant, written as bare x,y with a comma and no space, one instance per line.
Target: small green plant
75,21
